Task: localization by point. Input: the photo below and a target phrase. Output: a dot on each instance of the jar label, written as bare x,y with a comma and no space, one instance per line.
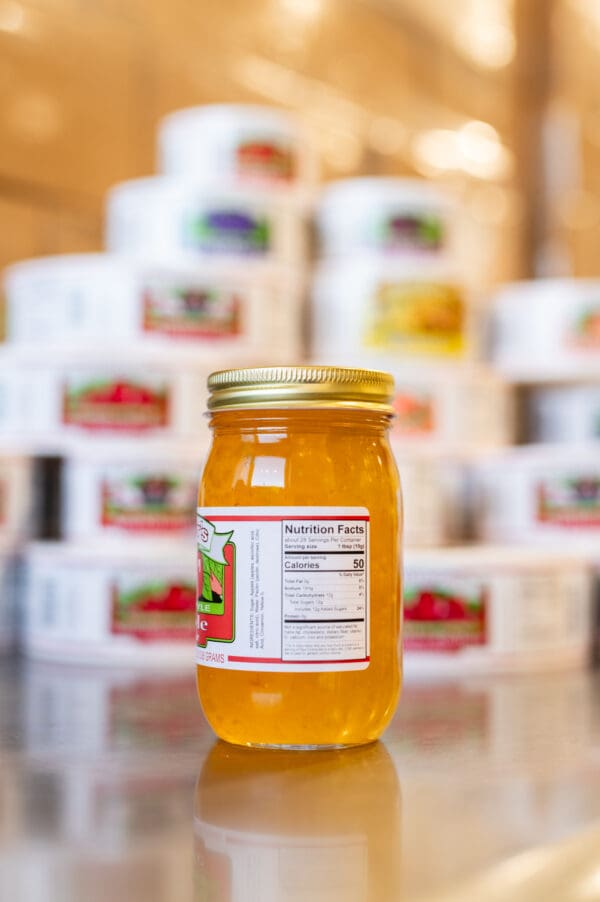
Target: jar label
444,615
407,231
265,160
228,230
153,610
283,589
417,318
415,413
148,500
569,501
584,331
192,311
127,404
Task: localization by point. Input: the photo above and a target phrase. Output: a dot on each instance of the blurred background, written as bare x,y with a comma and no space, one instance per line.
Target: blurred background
393,184
411,185
495,97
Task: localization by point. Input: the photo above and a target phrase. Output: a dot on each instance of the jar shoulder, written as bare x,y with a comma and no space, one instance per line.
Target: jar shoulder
351,466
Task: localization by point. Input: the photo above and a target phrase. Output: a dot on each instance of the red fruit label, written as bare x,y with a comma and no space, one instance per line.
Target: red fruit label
115,404
192,311
570,501
415,414
148,502
585,330
443,617
265,159
162,610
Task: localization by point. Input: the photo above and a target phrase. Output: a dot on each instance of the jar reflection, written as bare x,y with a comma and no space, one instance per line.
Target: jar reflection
275,825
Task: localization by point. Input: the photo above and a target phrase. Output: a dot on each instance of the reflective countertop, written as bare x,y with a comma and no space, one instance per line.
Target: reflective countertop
112,787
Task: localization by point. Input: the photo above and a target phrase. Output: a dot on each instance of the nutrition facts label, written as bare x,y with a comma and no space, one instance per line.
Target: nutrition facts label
324,598
283,589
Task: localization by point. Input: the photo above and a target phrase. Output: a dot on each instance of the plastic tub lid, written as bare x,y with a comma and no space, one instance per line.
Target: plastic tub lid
230,115
420,371
126,358
155,551
120,451
384,189
409,266
523,292
562,453
179,266
525,372
492,558
52,262
153,188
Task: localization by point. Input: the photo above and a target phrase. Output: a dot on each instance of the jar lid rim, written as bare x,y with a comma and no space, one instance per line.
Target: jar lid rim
301,386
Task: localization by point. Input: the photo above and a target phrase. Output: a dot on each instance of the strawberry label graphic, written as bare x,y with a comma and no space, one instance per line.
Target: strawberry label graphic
569,501
417,318
411,231
122,404
148,502
192,311
444,618
265,159
414,414
228,231
585,330
216,584
160,610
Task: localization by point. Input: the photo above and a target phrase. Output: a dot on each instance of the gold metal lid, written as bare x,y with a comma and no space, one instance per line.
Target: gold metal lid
301,387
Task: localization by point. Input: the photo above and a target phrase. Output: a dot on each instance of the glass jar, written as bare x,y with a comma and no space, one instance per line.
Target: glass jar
299,524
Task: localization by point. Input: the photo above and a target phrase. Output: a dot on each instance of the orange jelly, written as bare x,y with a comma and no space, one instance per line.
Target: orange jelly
298,610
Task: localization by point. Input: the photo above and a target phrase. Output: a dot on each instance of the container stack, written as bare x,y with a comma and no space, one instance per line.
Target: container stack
388,294
546,339
203,271
525,601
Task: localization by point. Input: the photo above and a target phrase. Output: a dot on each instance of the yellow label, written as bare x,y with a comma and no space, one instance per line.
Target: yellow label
417,318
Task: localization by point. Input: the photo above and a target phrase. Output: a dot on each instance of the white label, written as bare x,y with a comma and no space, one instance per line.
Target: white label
283,589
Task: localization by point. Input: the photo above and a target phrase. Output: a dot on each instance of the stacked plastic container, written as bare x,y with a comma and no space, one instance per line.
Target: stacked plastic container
526,600
203,270
546,339
388,294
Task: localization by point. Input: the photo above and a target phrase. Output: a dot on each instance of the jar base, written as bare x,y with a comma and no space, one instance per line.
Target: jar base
303,747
